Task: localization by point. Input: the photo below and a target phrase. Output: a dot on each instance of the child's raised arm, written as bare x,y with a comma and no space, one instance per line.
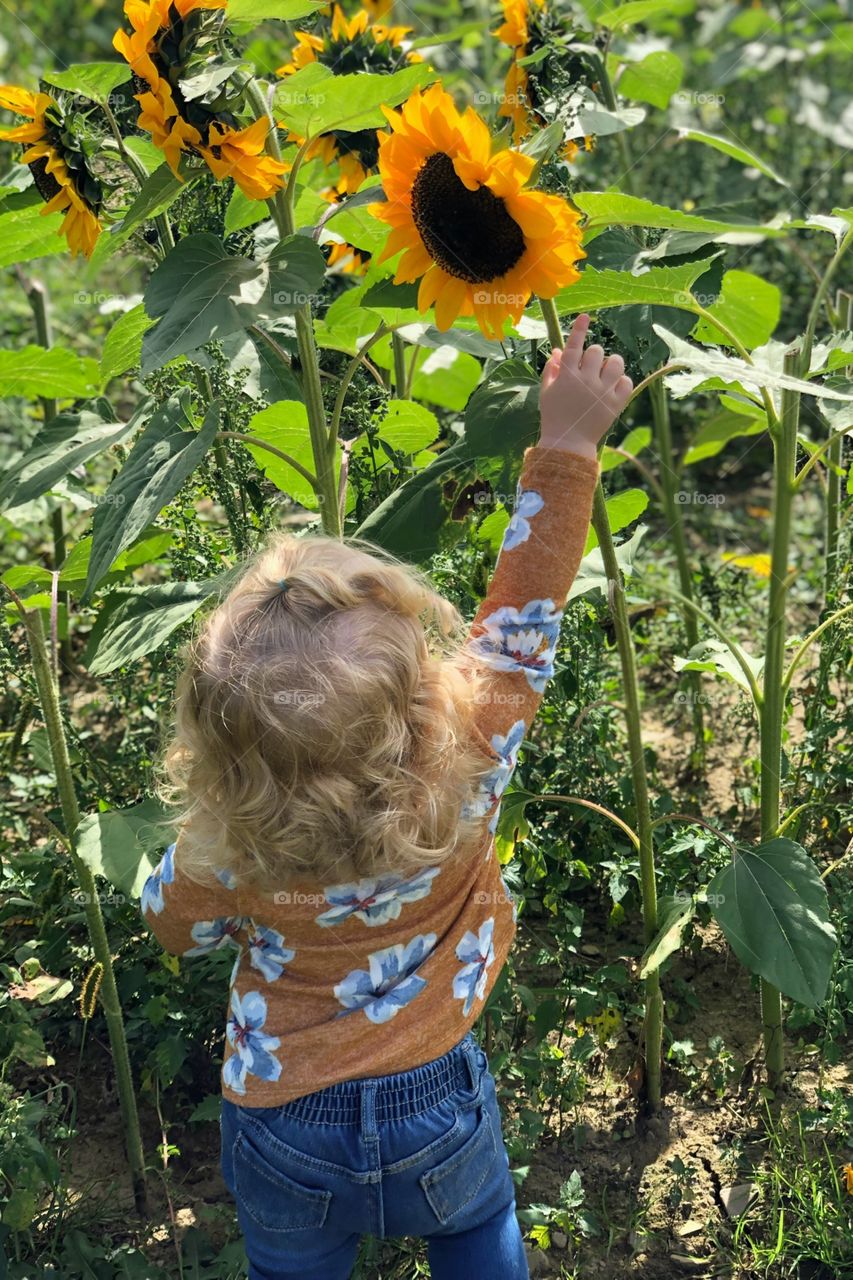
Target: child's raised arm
516,628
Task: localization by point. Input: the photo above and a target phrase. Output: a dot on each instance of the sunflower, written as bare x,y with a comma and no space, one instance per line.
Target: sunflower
60,168
479,243
349,45
167,44
344,257
525,28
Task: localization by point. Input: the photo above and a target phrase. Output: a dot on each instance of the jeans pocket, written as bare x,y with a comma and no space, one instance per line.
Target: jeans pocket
271,1198
452,1185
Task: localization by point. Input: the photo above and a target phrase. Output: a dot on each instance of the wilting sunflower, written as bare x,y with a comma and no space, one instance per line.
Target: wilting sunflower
480,243
347,46
525,29
170,43
58,164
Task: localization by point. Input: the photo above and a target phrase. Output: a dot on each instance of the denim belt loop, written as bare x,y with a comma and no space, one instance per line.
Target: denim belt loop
469,1049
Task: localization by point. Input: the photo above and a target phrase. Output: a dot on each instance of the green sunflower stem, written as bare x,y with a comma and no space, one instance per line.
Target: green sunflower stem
772,712
653,1022
49,701
324,445
38,299
673,511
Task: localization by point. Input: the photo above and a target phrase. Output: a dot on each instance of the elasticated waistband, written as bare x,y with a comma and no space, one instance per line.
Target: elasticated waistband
395,1097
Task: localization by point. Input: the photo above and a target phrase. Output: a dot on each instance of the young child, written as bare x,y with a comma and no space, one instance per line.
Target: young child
340,768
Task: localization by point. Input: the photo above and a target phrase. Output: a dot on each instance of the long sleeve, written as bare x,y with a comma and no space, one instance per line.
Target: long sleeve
514,634
188,918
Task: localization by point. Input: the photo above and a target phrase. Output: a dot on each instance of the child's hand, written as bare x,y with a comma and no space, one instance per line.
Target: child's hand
582,394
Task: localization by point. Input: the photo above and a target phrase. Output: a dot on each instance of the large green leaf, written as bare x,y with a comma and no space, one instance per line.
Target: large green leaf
121,844
199,292
285,427
122,349
314,101
140,620
714,655
68,440
407,427
55,373
27,233
161,460
653,79
661,286
614,208
95,80
747,305
705,363
772,906
622,509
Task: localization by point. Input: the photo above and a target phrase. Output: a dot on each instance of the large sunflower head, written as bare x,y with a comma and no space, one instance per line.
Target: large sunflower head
348,46
480,243
189,101
528,28
58,162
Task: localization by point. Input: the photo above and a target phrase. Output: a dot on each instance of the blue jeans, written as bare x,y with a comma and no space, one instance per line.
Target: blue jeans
414,1154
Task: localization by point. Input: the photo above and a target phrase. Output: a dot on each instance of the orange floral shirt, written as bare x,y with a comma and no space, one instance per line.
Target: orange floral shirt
334,982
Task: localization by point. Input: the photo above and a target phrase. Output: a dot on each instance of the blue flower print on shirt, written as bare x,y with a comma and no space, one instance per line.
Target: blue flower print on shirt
521,640
377,900
477,952
267,951
209,935
152,891
252,1048
390,983
493,784
227,877
528,503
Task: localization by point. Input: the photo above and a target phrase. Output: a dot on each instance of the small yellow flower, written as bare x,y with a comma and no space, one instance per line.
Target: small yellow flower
848,1178
47,155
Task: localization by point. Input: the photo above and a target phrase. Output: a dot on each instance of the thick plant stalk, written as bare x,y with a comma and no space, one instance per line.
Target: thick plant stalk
37,295
833,491
773,705
672,509
653,1022
323,443
109,996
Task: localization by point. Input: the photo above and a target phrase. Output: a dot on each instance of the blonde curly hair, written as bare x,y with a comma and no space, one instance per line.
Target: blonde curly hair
323,720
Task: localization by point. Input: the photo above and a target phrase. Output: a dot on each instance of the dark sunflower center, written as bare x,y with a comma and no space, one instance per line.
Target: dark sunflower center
468,233
46,184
